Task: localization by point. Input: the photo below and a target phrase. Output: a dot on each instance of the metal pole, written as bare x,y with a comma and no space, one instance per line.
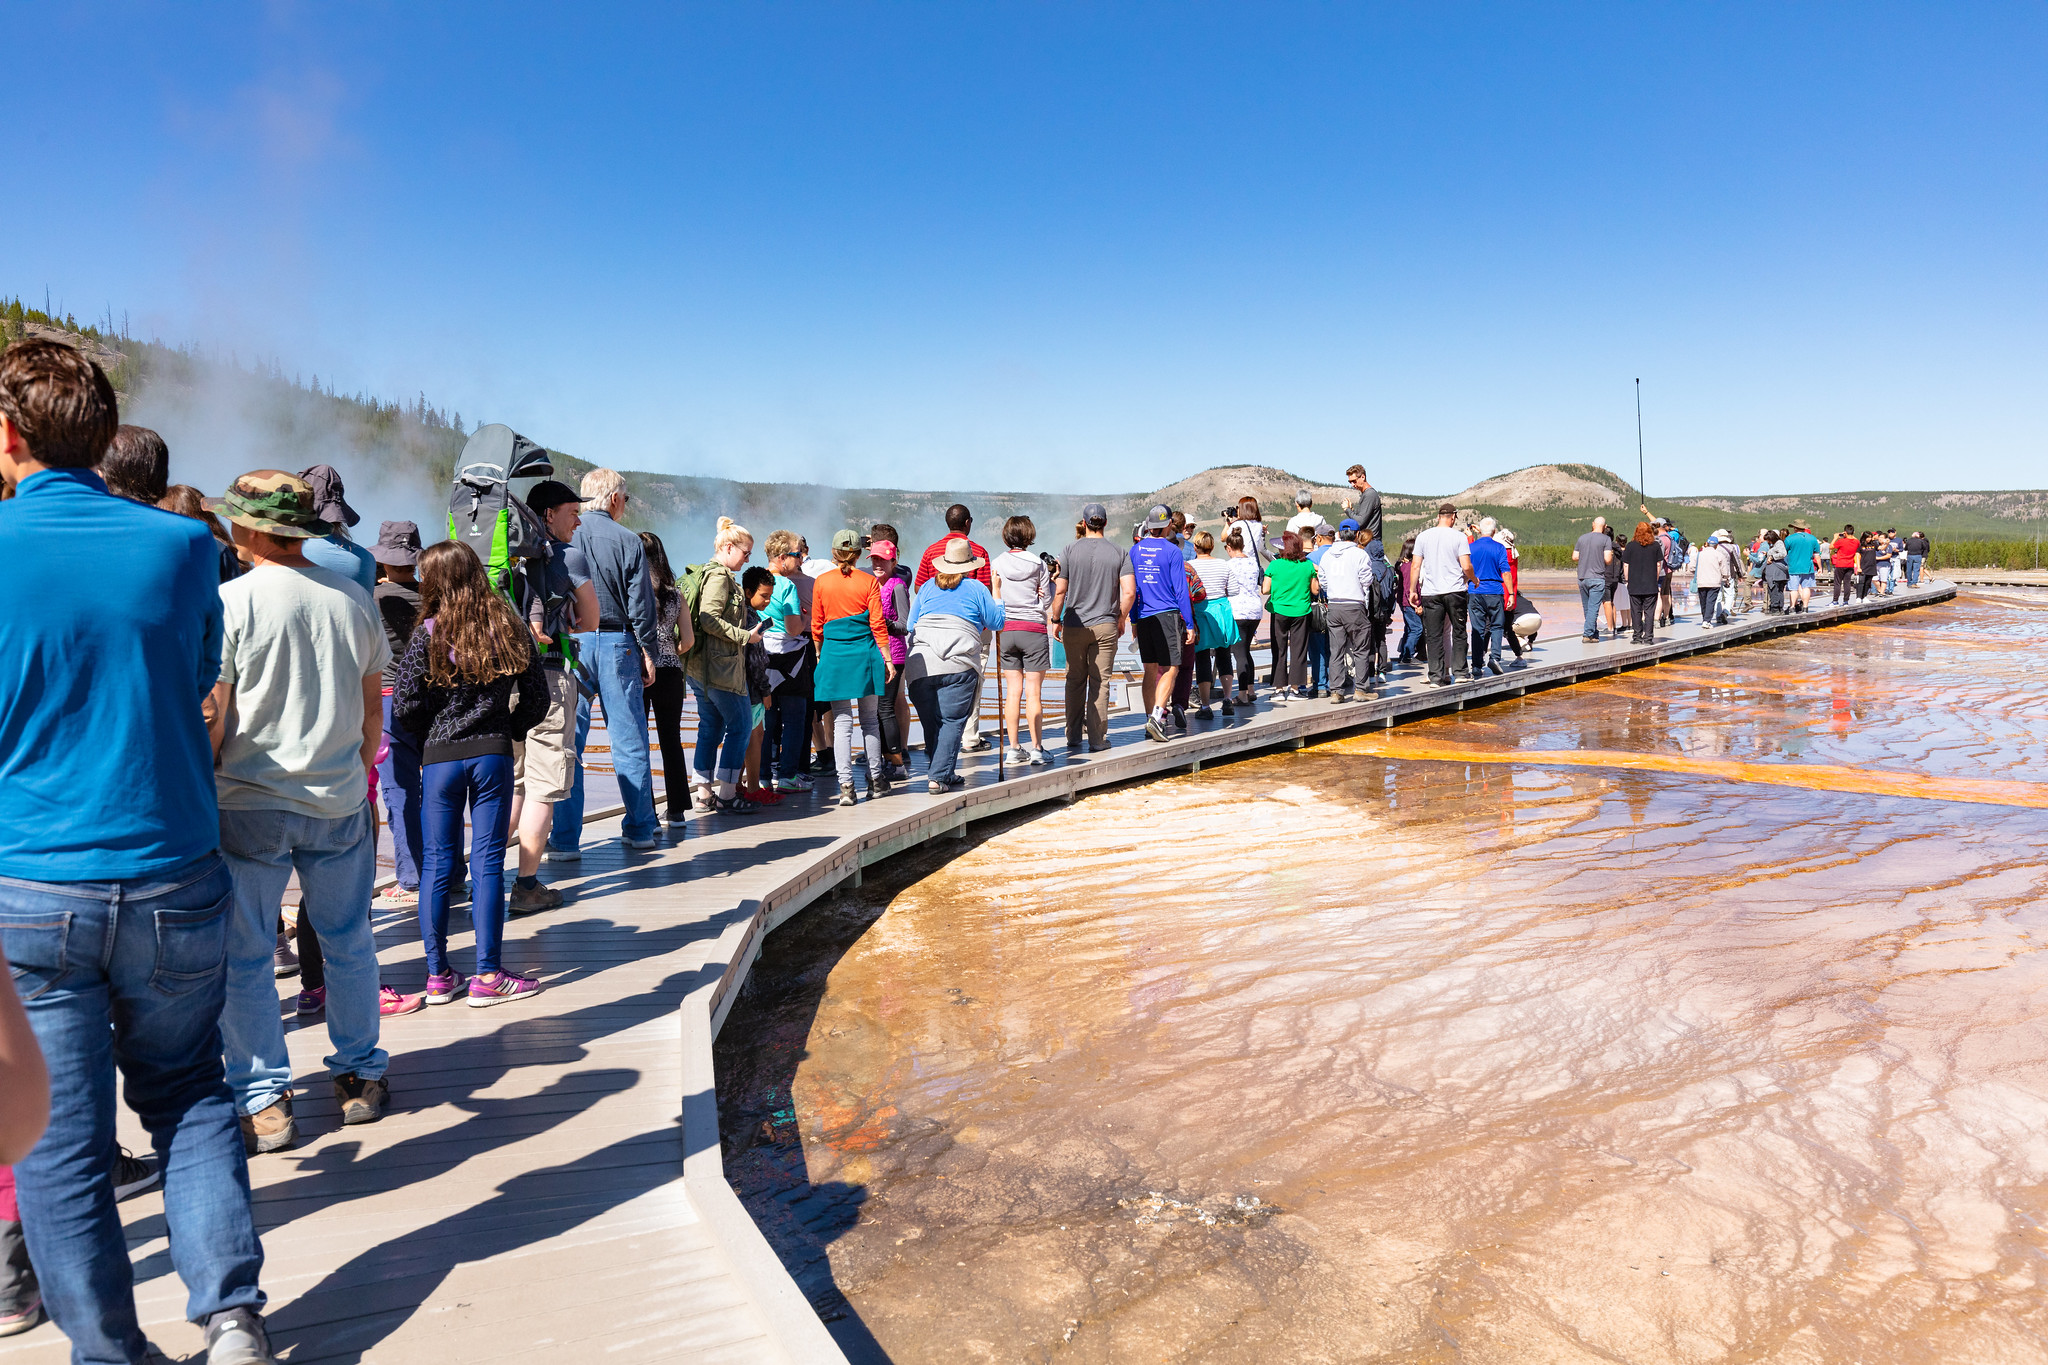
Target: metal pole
1640,485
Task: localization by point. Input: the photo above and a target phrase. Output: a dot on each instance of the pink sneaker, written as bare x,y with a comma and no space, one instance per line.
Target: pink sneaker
498,987
313,1000
390,1000
442,990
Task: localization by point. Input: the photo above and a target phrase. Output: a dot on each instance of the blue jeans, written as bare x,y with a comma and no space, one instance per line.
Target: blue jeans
1913,563
1318,662
399,778
1411,633
337,863
943,705
1591,595
1488,612
725,721
450,787
130,975
613,658
784,744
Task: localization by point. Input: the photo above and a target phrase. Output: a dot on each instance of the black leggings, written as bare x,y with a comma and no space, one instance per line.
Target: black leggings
1211,664
889,706
665,699
1290,652
1242,652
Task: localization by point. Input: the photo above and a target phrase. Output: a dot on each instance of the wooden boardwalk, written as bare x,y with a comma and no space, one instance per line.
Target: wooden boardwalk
548,1184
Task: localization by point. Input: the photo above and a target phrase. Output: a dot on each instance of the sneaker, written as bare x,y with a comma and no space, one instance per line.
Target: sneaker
361,1101
312,1000
1205,712
879,784
498,987
271,1128
1017,754
1038,757
895,771
391,1001
395,897
1229,708
1154,730
25,1318
235,1336
847,795
528,900
1180,720
641,845
800,783
822,763
286,962
762,796
134,1175
561,855
443,989
1493,667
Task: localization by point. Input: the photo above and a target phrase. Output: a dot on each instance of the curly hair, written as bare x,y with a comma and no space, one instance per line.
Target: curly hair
1643,535
477,636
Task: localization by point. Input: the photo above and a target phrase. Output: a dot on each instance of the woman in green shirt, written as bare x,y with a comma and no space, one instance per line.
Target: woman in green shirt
1291,587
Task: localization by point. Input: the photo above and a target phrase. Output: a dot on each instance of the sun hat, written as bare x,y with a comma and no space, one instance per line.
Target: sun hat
548,494
275,503
882,549
328,503
1159,518
958,558
398,542
1723,534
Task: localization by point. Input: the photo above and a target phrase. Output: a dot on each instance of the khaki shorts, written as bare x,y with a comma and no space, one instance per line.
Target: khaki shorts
550,745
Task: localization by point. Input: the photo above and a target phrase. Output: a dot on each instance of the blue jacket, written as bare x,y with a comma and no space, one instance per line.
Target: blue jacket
106,771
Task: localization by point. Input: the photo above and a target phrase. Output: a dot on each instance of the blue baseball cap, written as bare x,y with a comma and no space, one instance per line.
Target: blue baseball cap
1347,527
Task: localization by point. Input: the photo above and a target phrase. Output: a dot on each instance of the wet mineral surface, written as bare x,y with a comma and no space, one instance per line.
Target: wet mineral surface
1691,1015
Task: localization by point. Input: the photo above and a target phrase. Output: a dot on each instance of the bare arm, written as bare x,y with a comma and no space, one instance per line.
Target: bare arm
373,718
24,1080
1126,598
1059,598
215,709
1465,563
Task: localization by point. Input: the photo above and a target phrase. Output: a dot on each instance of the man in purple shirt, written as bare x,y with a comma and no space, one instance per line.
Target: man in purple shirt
1162,618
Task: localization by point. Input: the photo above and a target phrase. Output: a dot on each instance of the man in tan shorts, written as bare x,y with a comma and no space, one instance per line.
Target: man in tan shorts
544,766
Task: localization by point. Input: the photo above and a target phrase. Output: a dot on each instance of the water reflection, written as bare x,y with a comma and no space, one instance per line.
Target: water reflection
1651,1020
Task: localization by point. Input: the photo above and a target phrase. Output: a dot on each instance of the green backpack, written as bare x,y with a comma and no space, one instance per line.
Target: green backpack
690,585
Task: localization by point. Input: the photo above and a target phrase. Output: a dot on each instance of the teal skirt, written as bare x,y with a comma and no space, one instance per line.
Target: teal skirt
1215,626
850,666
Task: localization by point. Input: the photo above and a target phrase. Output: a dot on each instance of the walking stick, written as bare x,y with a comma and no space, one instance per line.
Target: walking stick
1002,717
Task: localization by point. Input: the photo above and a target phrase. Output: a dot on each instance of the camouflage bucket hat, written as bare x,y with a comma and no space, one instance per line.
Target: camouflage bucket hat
273,502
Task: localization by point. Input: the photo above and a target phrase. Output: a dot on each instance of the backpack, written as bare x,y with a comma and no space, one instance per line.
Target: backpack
486,515
690,587
1196,592
1674,550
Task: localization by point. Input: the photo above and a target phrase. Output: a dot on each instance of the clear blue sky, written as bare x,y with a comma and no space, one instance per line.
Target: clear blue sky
1070,246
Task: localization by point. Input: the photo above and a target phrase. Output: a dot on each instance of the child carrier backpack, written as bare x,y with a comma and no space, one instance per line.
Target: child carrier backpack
485,514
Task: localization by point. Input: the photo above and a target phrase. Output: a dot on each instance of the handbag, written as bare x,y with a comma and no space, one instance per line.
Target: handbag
1318,618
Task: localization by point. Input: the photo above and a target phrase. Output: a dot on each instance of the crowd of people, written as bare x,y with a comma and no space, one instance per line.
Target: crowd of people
174,759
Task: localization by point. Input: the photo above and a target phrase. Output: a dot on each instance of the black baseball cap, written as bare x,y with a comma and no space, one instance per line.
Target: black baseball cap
549,494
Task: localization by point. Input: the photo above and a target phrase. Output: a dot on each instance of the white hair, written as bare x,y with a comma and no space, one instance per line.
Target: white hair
1304,498
600,484
730,532
1487,526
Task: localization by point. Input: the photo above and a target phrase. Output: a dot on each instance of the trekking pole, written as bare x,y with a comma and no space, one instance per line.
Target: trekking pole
1002,748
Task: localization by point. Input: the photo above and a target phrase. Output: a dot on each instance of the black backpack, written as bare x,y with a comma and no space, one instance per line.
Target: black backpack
486,515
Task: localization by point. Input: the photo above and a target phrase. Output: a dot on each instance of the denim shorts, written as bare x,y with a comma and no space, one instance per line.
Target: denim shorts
1798,581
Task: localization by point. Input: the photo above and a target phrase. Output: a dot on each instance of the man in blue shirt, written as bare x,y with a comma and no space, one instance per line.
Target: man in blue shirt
1163,616
114,903
1800,548
1488,597
335,550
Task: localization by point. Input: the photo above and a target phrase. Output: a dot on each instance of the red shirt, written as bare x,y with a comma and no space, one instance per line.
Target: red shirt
925,570
1845,548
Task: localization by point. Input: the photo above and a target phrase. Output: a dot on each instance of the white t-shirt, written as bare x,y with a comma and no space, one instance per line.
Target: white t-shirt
1304,521
296,644
1442,550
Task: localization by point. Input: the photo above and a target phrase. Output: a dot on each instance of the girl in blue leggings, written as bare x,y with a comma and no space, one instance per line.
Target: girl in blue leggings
470,685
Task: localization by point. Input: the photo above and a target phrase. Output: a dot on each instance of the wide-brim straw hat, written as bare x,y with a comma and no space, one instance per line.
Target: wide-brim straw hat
958,557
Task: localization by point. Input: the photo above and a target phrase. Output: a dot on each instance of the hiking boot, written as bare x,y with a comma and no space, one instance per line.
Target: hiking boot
847,795
235,1336
528,900
361,1101
271,1128
286,962
391,1001
879,784
495,988
134,1175
312,1000
445,988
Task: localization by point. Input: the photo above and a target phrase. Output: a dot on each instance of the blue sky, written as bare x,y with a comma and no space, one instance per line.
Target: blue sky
1086,246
